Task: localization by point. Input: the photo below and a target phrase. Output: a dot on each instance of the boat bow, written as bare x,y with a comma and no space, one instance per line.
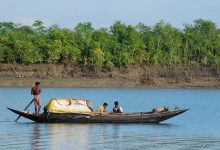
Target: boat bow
27,115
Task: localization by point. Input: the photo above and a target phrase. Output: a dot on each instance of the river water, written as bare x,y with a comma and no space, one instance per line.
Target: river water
198,128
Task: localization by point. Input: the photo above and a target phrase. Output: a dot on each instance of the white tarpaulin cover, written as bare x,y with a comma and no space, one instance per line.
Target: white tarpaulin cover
68,105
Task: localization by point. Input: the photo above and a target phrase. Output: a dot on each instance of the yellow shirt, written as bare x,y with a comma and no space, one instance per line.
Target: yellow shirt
101,109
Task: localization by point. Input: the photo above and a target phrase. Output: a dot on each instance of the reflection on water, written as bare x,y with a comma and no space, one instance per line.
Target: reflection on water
196,129
116,136
69,136
116,131
102,136
36,136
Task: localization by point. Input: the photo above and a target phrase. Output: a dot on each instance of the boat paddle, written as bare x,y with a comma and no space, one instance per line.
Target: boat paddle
25,109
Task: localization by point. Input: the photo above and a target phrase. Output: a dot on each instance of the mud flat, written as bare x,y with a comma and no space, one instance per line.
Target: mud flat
149,76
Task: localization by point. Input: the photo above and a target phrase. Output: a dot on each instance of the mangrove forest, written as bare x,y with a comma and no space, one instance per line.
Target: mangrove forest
118,45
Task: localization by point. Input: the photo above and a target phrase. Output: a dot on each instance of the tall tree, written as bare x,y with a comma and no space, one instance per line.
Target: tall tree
83,37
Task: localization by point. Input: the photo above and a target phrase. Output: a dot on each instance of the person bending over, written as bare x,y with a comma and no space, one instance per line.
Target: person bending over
103,108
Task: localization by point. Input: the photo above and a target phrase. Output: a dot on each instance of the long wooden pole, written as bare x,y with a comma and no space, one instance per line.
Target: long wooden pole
25,108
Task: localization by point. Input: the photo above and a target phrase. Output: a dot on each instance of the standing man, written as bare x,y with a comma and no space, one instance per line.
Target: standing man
36,90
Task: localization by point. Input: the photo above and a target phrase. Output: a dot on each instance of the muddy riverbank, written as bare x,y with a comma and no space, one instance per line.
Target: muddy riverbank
142,75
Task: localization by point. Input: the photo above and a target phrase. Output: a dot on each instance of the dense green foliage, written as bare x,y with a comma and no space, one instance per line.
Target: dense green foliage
121,45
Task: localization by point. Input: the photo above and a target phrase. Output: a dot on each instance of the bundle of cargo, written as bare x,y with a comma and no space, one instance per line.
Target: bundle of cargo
160,109
68,105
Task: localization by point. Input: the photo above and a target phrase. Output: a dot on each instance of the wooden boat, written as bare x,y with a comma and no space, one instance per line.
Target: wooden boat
94,117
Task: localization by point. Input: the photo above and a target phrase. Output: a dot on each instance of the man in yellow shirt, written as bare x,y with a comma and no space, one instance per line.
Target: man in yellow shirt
103,108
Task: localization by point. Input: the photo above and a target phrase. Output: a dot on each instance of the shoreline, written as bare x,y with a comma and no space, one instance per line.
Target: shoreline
108,83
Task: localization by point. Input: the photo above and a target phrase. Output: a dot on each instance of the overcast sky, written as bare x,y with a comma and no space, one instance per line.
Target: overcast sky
103,13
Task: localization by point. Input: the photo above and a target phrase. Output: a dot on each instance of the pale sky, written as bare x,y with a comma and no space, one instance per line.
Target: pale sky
103,13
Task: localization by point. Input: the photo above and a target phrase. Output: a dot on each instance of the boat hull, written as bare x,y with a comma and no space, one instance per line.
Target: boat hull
142,117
